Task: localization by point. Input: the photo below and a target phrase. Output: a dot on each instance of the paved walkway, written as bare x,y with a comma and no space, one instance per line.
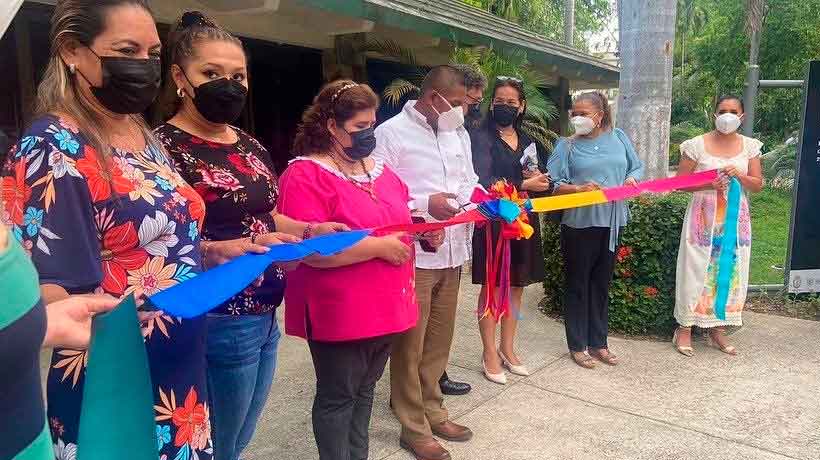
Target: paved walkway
658,404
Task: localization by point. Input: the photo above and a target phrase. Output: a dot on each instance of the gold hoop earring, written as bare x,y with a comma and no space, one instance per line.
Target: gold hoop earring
180,93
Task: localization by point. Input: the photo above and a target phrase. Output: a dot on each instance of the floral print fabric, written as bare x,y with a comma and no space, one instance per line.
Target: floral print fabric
240,191
126,224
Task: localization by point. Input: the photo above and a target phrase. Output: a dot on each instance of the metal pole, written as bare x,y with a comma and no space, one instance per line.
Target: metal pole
569,22
752,81
781,84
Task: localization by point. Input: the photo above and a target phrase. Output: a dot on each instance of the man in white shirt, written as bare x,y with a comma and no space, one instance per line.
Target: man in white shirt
428,147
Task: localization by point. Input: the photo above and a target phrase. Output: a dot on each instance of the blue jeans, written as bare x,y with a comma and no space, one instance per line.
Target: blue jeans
241,363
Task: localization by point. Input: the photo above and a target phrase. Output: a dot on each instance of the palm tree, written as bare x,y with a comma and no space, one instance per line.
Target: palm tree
647,34
540,110
692,17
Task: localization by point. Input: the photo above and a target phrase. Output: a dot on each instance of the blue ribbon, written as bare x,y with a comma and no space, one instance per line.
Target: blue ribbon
212,288
500,209
728,249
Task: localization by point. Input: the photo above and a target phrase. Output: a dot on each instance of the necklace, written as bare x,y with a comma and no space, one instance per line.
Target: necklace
369,188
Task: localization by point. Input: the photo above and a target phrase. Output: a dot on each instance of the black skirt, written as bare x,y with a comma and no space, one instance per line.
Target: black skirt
526,256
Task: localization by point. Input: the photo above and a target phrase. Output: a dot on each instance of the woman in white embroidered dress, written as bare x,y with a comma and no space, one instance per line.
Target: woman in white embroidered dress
737,156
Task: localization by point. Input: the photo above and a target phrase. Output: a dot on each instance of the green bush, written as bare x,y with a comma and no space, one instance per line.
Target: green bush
642,295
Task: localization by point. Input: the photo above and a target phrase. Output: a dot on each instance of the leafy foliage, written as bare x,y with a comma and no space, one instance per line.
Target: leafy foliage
545,17
717,53
642,294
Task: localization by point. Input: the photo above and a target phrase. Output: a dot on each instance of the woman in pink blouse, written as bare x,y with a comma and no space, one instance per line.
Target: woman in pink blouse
349,306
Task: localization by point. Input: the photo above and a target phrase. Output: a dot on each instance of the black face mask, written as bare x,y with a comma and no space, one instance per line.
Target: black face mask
220,101
504,115
129,85
363,143
474,111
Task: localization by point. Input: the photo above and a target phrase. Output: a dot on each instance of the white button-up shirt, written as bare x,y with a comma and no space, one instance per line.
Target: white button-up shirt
431,162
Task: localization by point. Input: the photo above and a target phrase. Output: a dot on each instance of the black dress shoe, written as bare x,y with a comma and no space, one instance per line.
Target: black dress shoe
452,388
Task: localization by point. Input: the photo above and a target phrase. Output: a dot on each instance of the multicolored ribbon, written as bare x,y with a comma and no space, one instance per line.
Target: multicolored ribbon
210,289
118,377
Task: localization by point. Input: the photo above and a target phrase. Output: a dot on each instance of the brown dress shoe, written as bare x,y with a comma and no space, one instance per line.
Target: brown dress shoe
452,431
425,449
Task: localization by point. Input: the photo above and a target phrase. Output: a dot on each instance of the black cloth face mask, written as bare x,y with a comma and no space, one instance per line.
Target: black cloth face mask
129,85
474,111
363,144
219,101
504,115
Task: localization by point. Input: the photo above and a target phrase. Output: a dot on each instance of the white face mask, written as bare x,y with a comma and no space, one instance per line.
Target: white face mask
452,119
727,123
582,125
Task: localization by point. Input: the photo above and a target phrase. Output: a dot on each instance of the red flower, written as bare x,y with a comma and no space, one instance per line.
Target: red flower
626,273
188,418
242,165
15,192
257,227
219,178
623,253
206,192
650,292
120,253
259,166
99,185
196,207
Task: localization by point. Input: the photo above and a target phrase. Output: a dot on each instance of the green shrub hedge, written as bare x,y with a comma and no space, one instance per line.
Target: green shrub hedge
642,296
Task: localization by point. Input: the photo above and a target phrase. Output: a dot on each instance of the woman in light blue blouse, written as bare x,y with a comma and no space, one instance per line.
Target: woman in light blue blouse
597,156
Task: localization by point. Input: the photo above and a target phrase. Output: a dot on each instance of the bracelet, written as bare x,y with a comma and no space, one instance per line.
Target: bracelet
308,231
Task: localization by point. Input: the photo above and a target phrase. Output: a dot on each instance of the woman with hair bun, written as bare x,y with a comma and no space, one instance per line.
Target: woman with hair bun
206,89
348,307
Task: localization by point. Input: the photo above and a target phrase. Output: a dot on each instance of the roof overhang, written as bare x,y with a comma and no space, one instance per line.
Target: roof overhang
428,27
456,21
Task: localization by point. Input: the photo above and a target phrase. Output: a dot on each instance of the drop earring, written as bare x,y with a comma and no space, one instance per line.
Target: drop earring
180,93
72,68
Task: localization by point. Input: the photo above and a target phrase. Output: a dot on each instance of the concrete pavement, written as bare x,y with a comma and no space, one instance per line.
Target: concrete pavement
658,404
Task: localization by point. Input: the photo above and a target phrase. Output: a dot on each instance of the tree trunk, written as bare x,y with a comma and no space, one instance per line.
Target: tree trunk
647,35
569,22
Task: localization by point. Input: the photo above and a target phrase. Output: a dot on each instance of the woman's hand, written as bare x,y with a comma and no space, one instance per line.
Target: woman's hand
540,182
720,184
732,171
218,252
329,227
589,187
630,181
274,238
435,237
528,173
69,320
393,250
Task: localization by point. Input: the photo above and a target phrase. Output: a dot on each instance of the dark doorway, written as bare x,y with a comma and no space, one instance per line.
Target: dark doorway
284,79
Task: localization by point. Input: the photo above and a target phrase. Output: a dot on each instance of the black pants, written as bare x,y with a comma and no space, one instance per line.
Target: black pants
346,374
588,265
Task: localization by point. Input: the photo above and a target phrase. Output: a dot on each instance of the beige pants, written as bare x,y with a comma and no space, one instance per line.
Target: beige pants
420,355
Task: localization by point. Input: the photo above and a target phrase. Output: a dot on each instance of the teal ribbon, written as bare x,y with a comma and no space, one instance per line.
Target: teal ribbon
117,418
728,249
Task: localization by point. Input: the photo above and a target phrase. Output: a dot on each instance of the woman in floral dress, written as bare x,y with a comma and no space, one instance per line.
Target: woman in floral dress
737,156
94,199
208,80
